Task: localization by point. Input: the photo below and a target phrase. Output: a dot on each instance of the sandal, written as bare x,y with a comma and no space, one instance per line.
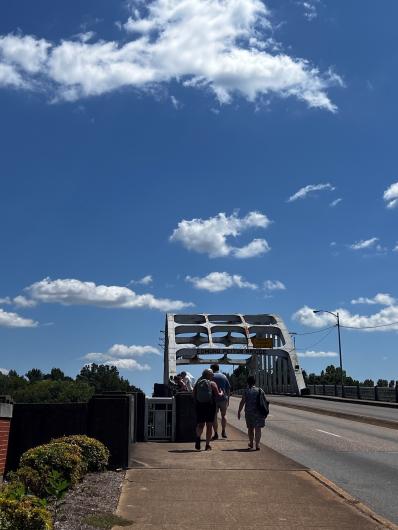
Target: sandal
208,447
250,445
257,448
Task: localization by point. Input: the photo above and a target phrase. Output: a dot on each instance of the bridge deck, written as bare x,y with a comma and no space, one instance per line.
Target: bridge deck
173,486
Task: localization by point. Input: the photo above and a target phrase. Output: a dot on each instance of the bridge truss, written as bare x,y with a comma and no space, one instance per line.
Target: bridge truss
260,342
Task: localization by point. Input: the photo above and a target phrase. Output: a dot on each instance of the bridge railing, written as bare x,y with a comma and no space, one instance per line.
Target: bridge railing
371,393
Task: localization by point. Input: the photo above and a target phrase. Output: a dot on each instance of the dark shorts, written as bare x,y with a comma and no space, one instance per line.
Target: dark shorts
205,412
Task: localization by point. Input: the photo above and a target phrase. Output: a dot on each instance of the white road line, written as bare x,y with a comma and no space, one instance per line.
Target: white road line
326,432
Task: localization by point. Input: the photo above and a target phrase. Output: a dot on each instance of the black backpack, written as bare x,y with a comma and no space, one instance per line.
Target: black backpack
262,403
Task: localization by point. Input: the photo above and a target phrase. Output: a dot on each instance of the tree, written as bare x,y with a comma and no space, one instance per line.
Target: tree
382,382
368,382
35,374
391,384
105,378
48,391
238,378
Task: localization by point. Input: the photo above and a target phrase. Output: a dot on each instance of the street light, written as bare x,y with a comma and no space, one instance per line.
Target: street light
293,334
336,315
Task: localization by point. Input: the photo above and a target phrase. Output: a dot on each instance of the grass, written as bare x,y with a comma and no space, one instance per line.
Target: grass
106,520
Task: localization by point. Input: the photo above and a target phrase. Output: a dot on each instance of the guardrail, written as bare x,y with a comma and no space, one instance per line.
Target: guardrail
371,393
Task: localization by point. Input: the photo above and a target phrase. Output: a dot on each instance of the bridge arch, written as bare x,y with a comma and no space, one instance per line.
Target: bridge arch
259,341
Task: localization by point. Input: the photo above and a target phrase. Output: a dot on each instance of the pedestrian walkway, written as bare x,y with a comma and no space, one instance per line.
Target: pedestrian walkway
172,486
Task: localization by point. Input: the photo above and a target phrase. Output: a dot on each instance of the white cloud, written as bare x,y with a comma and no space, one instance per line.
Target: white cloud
122,356
310,11
317,354
220,46
18,301
380,299
4,371
5,301
122,350
391,195
76,292
146,280
220,281
335,202
9,77
129,364
24,52
13,320
257,247
385,318
311,188
395,249
209,236
176,104
22,301
274,285
364,243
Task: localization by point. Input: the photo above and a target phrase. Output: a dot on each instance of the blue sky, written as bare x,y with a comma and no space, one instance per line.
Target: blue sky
238,156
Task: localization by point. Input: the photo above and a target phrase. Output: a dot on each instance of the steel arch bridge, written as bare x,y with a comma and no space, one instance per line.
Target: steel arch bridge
260,342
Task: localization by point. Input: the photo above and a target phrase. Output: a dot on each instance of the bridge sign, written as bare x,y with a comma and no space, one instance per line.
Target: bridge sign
263,342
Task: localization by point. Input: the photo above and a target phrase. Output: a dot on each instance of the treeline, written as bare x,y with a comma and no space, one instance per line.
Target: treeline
55,387
332,376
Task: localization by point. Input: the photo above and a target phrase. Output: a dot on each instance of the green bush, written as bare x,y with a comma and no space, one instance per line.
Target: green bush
38,463
25,514
94,453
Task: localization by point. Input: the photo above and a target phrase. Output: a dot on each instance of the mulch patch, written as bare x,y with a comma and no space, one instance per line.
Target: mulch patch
91,504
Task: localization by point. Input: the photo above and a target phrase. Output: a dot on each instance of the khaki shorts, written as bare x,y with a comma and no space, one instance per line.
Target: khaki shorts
221,406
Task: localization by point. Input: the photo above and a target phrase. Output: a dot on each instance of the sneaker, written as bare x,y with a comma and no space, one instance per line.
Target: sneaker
224,434
197,444
215,436
208,447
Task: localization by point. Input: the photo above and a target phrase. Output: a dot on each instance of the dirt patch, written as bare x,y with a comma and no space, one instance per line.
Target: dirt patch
91,504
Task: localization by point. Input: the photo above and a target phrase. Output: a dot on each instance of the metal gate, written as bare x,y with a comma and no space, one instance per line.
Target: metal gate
160,419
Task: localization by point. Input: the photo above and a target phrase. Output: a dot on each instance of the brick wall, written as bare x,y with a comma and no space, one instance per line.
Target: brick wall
6,407
4,434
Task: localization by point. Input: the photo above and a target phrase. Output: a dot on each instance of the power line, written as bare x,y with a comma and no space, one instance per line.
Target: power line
319,341
317,331
370,327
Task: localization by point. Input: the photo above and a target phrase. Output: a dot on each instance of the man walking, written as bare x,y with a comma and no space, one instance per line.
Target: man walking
222,402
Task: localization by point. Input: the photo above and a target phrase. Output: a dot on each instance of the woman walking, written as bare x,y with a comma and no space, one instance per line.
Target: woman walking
204,393
255,419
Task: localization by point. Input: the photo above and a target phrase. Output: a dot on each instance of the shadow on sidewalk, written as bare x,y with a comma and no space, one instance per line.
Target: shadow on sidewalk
182,451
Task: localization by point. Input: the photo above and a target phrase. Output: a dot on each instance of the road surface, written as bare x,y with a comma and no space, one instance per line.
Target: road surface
360,458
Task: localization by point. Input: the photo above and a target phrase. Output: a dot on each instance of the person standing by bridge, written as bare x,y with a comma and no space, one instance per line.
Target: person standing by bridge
221,402
205,393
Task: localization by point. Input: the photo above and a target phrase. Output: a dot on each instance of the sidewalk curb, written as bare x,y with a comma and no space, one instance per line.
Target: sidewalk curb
353,417
386,404
353,501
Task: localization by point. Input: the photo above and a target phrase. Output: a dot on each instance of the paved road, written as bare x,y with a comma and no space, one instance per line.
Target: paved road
360,458
384,413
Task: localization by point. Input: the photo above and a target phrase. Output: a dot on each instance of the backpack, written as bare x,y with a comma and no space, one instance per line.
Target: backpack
204,392
262,403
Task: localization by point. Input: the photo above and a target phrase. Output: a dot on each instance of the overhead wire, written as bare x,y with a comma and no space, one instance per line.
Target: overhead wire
370,327
319,341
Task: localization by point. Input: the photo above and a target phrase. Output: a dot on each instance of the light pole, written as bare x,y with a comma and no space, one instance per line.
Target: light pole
336,315
293,334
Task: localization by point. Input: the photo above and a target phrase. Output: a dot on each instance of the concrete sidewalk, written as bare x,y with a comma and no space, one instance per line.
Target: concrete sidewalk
172,486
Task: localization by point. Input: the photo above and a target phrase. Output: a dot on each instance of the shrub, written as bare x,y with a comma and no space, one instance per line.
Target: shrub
59,456
25,514
94,453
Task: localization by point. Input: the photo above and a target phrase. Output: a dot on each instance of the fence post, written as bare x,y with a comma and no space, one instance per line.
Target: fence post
396,391
335,390
358,392
376,393
323,389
